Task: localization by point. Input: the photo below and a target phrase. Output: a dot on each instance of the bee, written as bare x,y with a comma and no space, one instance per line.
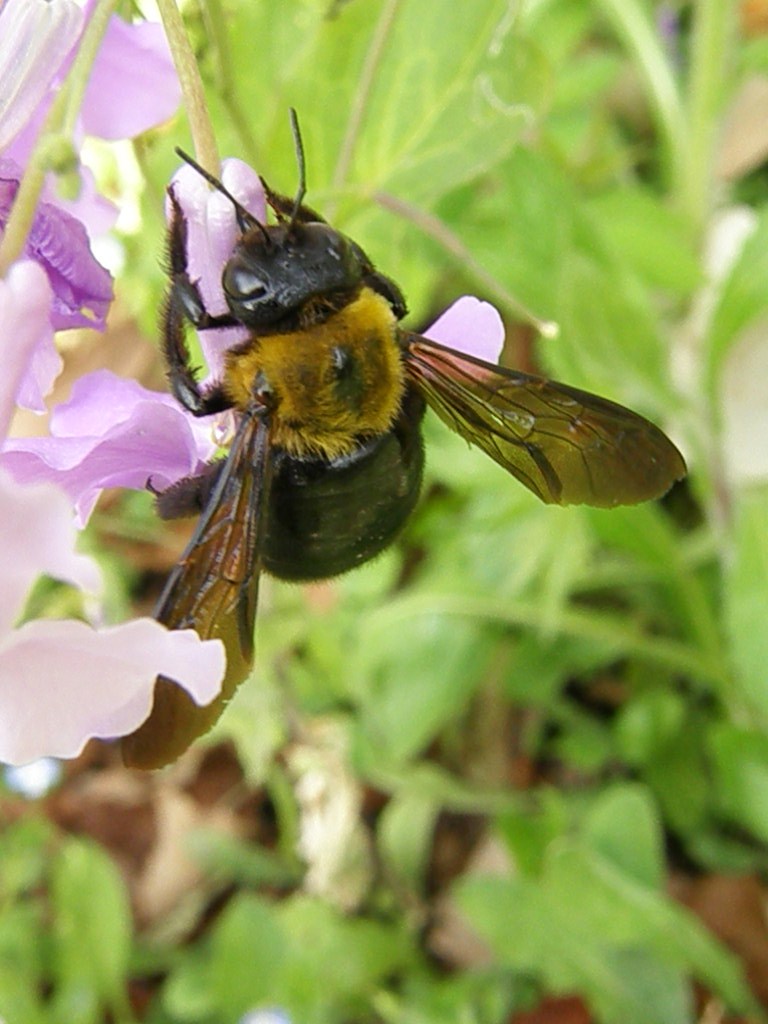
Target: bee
326,462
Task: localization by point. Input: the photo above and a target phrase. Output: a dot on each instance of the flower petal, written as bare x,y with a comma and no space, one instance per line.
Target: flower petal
38,536
25,331
82,288
36,37
211,235
133,84
62,682
470,326
111,433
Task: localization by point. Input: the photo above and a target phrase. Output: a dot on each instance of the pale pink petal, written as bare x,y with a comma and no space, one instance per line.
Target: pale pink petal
211,235
470,326
44,367
111,433
37,536
25,308
133,84
36,37
62,682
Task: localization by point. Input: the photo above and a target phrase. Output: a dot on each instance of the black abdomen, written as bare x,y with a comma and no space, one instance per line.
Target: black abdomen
326,517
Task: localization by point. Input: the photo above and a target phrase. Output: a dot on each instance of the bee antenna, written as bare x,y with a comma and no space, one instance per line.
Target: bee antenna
298,146
245,219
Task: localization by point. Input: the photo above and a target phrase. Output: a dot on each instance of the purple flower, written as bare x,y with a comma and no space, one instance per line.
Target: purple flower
82,288
111,433
62,682
133,84
211,235
132,87
115,433
25,301
36,39
470,326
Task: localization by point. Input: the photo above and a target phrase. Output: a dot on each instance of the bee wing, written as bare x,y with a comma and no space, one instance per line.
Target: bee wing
565,445
213,590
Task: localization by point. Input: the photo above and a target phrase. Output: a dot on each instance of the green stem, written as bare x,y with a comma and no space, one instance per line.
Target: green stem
216,26
617,633
54,149
362,94
712,46
438,231
634,28
206,150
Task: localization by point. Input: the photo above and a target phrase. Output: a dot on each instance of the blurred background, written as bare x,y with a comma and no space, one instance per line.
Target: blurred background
515,770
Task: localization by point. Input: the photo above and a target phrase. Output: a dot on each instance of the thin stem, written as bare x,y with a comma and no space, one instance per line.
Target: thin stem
712,41
436,229
638,34
196,108
54,148
618,634
216,27
362,94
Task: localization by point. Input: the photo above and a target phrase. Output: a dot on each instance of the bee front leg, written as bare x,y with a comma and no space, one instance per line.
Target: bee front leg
184,304
187,496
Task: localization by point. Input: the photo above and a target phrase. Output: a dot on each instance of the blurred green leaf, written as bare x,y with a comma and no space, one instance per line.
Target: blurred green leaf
91,933
741,765
300,954
624,826
22,963
650,237
744,598
404,836
741,297
588,926
409,694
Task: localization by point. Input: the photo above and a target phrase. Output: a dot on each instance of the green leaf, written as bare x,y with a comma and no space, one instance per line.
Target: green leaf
91,931
741,764
406,693
745,575
589,927
650,237
610,342
404,835
249,949
301,954
741,298
22,962
624,827
392,96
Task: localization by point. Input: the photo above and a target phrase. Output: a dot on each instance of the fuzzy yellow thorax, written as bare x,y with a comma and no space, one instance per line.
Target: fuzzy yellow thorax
330,383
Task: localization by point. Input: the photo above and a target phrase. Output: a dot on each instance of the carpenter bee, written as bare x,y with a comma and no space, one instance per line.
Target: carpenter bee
326,462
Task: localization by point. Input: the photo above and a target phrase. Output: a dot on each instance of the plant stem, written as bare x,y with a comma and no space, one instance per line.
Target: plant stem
613,631
712,45
437,230
362,94
638,34
206,150
54,149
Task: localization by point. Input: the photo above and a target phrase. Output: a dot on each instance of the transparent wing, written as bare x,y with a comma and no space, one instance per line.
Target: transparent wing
565,445
213,590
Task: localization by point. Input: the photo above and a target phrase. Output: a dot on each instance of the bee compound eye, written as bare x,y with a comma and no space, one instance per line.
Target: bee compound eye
243,283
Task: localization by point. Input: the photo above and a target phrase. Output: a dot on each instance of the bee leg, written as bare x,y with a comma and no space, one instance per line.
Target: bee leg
283,206
386,286
187,496
184,304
